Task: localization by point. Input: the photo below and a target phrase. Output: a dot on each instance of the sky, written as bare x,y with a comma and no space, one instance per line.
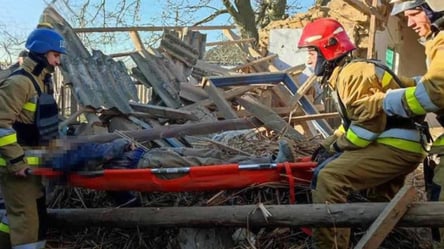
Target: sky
19,17
21,14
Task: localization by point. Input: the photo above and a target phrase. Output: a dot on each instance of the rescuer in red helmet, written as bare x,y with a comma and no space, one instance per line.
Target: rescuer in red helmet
370,150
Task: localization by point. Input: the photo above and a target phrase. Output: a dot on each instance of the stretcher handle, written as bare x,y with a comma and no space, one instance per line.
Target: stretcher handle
52,172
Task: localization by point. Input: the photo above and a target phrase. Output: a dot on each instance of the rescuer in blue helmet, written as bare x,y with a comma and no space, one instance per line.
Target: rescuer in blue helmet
28,118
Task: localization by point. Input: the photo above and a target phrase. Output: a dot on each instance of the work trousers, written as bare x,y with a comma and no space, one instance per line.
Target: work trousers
25,208
377,166
438,191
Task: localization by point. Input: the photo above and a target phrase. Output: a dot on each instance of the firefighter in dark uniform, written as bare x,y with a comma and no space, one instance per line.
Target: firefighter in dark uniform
28,118
373,151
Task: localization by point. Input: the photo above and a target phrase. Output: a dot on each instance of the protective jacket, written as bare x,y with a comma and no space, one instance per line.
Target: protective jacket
18,105
426,96
359,97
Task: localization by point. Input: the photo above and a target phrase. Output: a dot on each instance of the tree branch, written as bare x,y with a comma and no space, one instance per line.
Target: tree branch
211,17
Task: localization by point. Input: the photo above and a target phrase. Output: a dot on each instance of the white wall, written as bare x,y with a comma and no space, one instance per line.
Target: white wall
284,43
409,54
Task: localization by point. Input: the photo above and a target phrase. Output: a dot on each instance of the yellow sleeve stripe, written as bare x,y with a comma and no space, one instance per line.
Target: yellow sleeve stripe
8,139
413,102
29,106
386,79
4,228
32,160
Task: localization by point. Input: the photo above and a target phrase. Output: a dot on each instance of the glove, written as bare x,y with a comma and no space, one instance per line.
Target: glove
324,150
321,154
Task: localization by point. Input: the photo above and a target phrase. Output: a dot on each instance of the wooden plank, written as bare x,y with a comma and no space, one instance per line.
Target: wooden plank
302,91
192,92
361,6
315,116
260,60
136,40
229,94
163,112
282,93
149,28
295,69
388,218
249,50
167,142
233,37
266,97
372,33
282,111
219,99
230,42
314,215
270,119
212,69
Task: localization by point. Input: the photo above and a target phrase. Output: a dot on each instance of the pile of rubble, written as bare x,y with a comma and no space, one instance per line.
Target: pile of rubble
188,92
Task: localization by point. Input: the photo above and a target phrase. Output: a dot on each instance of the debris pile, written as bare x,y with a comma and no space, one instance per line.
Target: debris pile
258,104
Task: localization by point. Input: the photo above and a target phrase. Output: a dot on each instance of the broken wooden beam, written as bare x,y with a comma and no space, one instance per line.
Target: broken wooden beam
388,218
315,116
148,28
270,119
369,10
257,61
248,40
163,112
217,95
313,215
169,131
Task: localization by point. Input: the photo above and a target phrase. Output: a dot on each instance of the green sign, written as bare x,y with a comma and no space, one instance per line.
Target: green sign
389,57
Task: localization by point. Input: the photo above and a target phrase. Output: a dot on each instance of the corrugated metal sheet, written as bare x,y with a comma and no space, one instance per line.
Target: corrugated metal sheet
97,80
100,82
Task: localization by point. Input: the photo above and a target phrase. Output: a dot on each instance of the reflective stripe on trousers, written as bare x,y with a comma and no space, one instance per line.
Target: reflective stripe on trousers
35,245
4,224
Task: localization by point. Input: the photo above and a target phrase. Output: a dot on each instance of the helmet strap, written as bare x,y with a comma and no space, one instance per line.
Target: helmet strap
438,25
331,65
320,66
42,62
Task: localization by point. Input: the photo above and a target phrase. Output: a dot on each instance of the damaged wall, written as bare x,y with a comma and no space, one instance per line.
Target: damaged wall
408,59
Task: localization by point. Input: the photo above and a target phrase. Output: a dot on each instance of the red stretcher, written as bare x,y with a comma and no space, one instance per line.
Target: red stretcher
195,178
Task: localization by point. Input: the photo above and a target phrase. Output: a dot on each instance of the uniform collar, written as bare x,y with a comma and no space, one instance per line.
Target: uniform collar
335,74
29,65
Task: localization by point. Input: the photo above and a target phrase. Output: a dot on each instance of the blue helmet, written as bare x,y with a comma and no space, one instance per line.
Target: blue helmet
43,40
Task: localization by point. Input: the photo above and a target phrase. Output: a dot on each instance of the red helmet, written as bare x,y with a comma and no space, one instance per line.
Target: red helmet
328,36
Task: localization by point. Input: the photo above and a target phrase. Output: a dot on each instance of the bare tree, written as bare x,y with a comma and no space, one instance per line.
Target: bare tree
11,44
248,15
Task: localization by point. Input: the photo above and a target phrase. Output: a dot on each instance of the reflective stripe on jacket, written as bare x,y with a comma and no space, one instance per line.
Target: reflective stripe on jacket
427,95
18,98
361,88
